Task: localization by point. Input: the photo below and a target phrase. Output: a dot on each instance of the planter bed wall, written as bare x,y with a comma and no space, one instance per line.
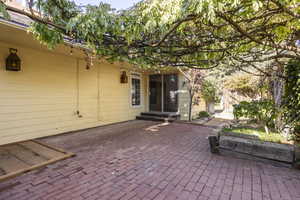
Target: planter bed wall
250,144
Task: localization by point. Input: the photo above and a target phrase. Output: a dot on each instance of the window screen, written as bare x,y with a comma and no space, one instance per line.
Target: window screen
135,91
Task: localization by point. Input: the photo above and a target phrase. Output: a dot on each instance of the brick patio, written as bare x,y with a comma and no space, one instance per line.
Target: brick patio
136,160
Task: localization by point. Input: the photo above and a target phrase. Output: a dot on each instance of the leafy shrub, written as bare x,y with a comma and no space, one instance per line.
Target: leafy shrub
262,112
203,114
291,98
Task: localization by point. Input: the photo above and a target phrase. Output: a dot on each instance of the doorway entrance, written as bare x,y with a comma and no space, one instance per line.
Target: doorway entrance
163,95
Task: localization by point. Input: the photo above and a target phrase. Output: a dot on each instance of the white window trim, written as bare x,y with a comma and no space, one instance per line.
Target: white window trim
136,75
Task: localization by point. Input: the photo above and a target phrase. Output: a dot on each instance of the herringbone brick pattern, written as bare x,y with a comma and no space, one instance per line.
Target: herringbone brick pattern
132,161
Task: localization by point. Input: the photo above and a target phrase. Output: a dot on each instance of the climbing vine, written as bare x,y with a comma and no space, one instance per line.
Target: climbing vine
291,99
181,33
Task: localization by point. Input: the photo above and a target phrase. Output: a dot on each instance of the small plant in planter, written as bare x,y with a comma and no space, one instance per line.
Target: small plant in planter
256,142
209,93
203,114
258,133
256,136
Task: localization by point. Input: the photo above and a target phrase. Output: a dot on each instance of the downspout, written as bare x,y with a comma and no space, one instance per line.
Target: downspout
98,87
162,93
77,86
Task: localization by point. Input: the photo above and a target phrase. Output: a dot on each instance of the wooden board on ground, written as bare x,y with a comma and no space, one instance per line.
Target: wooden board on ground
25,156
10,163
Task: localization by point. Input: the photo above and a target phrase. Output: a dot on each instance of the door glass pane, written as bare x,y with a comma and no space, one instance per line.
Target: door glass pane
170,93
155,95
136,91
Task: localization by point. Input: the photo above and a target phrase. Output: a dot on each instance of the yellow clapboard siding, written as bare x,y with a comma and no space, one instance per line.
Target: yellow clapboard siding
36,121
30,115
34,108
58,125
42,99
49,132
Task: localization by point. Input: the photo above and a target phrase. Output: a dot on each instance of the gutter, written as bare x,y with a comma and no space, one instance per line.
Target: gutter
23,27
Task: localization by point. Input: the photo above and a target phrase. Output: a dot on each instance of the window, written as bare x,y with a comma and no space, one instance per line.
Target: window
135,90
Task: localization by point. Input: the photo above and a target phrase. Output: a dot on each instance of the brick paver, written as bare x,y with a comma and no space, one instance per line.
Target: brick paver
132,161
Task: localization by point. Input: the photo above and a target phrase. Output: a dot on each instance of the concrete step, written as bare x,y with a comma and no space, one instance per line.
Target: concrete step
160,114
155,118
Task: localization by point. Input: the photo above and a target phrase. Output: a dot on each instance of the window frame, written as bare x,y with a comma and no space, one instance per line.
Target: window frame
135,75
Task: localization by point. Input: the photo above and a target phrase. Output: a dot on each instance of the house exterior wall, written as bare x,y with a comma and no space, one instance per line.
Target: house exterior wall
44,97
54,92
201,106
183,98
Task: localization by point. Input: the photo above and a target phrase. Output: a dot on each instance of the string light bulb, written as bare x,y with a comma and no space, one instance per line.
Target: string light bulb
71,51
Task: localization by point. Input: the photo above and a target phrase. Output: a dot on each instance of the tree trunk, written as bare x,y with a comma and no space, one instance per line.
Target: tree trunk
277,87
277,91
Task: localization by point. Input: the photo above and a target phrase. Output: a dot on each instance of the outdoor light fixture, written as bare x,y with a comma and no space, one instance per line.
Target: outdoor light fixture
124,77
13,62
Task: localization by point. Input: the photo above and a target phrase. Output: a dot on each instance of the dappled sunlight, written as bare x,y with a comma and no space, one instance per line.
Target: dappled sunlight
156,127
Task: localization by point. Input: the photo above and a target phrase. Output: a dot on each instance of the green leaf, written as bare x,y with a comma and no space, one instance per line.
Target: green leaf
3,11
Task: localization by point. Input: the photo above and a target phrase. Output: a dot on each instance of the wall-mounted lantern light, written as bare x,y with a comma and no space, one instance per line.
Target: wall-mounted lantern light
124,77
13,62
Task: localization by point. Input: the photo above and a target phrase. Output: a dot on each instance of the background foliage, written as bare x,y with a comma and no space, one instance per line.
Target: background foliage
291,100
244,84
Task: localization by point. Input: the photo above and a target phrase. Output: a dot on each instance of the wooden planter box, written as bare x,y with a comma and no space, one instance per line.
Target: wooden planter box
250,144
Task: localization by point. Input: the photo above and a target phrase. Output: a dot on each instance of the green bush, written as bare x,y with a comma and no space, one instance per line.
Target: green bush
203,114
291,98
262,112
